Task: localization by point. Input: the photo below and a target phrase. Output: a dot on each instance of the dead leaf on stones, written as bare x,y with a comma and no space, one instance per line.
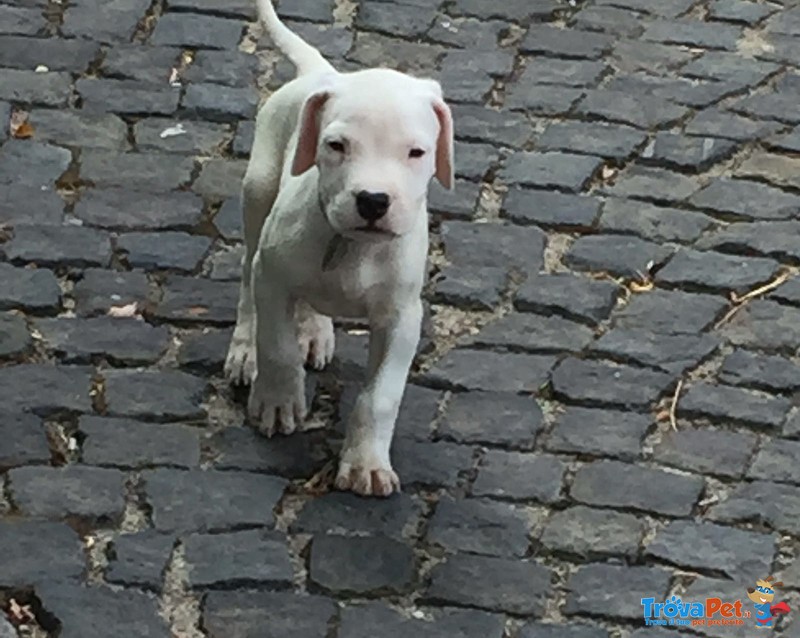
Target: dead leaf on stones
645,286
608,173
662,415
5,233
130,310
19,614
173,131
197,311
754,43
175,77
20,128
321,482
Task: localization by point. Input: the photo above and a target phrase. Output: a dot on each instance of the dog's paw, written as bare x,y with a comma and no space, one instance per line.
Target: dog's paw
316,339
240,364
365,475
277,403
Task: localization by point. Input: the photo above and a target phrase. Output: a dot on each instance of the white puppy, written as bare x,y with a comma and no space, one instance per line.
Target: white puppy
336,224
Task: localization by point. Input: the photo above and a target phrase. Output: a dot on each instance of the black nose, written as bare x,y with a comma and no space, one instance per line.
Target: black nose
372,206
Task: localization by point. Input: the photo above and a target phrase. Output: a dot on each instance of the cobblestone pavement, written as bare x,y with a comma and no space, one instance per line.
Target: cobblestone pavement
599,411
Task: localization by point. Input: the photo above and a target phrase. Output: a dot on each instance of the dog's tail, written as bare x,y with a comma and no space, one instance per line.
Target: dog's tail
305,57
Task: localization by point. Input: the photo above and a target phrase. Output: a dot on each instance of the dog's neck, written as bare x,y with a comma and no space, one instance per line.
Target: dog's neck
335,252
337,246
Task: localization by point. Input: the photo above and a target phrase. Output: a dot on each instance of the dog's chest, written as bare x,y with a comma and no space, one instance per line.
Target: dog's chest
339,293
358,280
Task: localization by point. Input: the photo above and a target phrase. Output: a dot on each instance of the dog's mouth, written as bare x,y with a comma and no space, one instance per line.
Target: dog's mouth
375,231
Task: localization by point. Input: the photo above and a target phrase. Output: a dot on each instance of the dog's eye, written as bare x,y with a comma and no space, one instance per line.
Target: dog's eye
337,147
414,153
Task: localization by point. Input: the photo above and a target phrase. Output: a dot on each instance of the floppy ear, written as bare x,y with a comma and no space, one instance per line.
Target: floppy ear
305,155
444,145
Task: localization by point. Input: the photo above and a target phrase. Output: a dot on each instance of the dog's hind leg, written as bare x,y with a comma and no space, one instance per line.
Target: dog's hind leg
315,335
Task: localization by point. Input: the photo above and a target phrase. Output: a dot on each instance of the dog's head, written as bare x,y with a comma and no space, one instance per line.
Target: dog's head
377,138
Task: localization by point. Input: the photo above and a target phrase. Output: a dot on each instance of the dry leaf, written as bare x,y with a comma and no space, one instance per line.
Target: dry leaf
321,482
19,614
641,286
662,415
24,131
131,310
19,127
196,311
172,131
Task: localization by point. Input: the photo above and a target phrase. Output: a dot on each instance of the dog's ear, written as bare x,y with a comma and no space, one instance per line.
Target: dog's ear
444,145
305,155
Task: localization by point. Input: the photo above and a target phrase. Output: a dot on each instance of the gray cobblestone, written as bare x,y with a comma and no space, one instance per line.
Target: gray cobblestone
210,501
492,418
733,404
367,620
590,583
615,484
708,451
514,586
479,526
601,383
249,558
360,565
590,533
736,553
538,477
50,492
599,433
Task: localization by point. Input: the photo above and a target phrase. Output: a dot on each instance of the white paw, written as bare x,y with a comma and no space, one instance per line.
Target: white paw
317,341
366,475
240,364
277,402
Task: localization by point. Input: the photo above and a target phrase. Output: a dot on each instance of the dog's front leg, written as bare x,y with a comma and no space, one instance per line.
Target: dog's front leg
365,466
277,396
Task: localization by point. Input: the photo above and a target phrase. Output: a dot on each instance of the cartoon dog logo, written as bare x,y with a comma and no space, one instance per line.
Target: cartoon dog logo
762,595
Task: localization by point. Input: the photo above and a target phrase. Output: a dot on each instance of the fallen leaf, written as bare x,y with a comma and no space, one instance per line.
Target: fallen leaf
637,286
24,131
19,127
663,415
196,311
19,614
131,310
172,131
175,77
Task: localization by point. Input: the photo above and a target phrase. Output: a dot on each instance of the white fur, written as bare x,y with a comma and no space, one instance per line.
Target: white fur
309,257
